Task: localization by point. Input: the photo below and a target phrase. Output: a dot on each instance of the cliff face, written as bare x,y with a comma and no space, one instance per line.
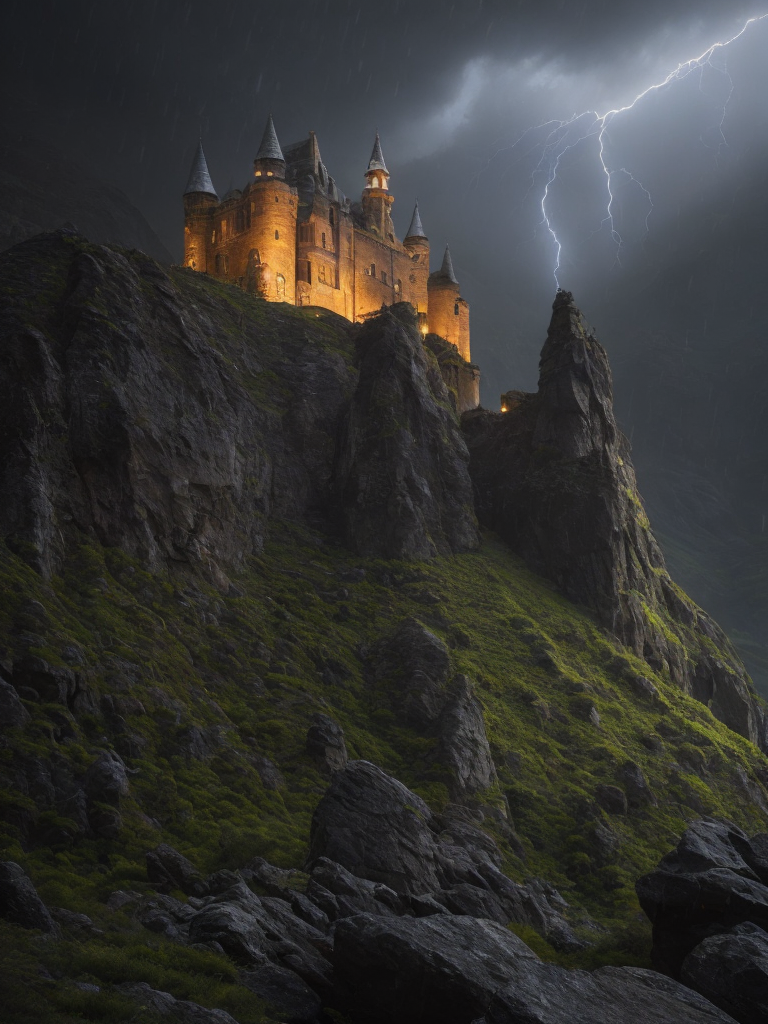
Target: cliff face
161,420
553,477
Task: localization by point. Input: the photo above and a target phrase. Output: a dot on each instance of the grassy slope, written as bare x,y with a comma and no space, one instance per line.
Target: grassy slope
195,658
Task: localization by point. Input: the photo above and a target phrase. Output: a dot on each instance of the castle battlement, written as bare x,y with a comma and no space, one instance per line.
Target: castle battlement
292,236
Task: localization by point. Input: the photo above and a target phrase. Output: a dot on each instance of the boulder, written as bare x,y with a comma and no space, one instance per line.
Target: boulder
411,970
19,901
378,829
168,869
463,743
180,1011
731,970
540,993
414,666
286,995
715,879
106,780
325,744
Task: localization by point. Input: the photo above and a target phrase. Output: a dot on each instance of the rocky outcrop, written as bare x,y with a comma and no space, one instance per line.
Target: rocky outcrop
19,901
377,829
168,869
715,880
411,670
402,475
553,476
325,744
178,1011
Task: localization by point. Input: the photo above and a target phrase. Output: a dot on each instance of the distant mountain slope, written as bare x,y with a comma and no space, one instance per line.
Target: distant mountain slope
41,190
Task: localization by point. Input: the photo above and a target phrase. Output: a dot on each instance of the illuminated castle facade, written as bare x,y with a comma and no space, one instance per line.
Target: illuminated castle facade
291,236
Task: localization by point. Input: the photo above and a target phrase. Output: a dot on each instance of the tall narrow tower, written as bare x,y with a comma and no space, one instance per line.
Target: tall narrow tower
376,198
416,244
448,312
273,210
199,201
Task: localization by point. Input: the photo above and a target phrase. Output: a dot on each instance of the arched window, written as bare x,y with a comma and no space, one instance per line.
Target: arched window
280,283
219,263
323,239
277,199
455,309
277,235
383,277
373,270
331,216
398,286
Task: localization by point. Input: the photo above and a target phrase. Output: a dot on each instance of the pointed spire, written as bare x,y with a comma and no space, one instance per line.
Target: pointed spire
376,163
415,230
270,147
447,268
199,178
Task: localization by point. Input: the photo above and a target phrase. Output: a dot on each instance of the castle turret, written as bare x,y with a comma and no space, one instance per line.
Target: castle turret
376,198
448,312
200,200
269,161
416,244
272,207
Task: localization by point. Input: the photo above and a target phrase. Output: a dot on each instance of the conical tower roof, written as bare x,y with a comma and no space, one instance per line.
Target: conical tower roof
376,163
447,268
270,147
415,230
199,177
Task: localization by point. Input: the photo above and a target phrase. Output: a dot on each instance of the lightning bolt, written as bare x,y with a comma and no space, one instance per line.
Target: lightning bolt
563,136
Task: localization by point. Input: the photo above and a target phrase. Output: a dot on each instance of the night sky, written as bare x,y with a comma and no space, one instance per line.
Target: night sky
459,92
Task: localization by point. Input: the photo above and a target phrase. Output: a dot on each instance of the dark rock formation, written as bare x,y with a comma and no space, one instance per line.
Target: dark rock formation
731,970
553,477
412,970
376,828
412,670
325,744
454,969
715,879
402,475
168,869
541,993
180,1011
19,901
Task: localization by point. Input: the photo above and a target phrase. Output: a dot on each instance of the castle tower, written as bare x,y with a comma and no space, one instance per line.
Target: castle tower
272,211
376,200
416,244
200,199
448,313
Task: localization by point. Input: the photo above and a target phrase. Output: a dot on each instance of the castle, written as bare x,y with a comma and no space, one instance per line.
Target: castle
292,236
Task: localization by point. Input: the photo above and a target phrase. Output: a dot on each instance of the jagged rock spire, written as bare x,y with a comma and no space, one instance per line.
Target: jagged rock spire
447,268
270,147
415,230
199,177
376,163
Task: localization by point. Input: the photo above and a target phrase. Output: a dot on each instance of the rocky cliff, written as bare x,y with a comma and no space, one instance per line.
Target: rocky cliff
278,725
553,477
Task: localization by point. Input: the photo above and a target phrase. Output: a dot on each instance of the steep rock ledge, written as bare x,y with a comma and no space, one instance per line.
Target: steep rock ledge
553,477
